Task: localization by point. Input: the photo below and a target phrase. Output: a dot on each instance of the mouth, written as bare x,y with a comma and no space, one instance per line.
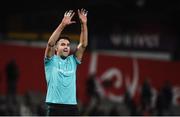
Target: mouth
65,50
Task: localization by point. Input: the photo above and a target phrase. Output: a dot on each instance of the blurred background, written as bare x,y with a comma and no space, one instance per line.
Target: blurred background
131,66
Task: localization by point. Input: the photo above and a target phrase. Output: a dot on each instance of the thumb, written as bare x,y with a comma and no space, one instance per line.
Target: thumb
72,22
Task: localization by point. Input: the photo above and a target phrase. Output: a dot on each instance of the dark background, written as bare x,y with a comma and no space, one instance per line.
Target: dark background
45,15
25,27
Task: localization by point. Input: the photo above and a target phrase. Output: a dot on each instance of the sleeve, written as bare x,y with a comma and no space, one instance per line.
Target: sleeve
48,61
76,60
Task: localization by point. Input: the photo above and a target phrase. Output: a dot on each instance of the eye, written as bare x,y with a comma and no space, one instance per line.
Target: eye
63,44
68,44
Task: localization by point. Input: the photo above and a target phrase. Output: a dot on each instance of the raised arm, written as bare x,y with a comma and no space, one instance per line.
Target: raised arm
84,34
50,48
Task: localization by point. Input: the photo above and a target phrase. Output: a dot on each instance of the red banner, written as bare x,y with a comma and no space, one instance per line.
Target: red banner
122,72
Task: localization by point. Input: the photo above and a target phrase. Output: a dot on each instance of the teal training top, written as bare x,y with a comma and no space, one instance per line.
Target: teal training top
61,79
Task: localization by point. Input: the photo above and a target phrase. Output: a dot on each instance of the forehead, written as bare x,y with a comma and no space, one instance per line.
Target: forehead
63,41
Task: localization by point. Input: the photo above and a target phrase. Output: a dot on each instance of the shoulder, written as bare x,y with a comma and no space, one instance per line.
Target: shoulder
51,59
74,58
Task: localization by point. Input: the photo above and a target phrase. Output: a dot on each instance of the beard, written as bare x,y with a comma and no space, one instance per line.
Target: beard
63,52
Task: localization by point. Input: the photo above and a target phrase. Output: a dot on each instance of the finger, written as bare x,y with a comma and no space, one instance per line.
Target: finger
72,22
86,13
65,14
70,11
79,12
82,10
72,14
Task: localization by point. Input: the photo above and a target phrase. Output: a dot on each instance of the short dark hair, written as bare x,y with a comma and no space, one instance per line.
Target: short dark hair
63,37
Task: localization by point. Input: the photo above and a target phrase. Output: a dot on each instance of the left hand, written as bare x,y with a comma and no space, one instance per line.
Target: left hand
68,15
83,15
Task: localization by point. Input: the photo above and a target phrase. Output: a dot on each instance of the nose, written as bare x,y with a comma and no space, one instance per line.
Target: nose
66,47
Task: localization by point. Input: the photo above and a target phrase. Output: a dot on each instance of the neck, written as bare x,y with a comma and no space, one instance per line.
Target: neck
63,57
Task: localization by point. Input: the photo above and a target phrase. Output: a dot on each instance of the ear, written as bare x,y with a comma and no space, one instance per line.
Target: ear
56,48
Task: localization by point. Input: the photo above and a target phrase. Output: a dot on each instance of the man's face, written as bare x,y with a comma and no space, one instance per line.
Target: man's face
63,47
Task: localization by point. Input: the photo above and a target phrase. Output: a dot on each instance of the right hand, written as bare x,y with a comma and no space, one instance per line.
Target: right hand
67,18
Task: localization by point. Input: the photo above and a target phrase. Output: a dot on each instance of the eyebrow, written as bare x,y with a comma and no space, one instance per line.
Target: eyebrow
65,43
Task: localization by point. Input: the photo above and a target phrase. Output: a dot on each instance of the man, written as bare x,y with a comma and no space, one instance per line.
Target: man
12,72
60,67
